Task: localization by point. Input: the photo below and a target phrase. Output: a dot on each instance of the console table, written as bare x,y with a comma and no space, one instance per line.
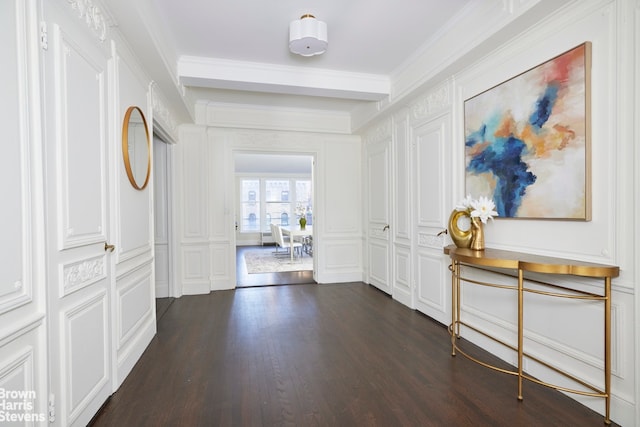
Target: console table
496,260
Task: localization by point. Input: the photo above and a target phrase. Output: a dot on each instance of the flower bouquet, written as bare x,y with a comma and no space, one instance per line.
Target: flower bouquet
467,220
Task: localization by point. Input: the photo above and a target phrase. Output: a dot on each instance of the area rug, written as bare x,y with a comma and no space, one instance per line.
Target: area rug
266,262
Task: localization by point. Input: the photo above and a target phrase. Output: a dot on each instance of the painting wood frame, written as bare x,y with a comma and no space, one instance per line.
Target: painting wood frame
528,141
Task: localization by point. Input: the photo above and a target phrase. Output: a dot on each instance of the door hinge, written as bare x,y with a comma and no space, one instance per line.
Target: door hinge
52,408
44,38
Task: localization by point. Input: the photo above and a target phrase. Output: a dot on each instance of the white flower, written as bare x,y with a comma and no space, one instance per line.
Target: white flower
301,210
465,205
483,208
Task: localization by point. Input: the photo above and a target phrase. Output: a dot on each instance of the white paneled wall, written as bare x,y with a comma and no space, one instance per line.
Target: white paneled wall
66,84
421,127
23,335
403,187
133,297
570,335
205,179
192,183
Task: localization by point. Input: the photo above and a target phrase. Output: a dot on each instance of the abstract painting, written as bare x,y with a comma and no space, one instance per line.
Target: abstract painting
527,142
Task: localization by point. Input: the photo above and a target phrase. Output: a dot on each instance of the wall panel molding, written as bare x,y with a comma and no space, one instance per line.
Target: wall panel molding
133,303
195,264
378,263
18,330
430,144
194,190
77,275
341,255
402,271
88,377
429,270
18,164
401,178
82,214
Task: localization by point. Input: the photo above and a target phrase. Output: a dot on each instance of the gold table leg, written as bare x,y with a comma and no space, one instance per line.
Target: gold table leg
455,304
607,349
520,328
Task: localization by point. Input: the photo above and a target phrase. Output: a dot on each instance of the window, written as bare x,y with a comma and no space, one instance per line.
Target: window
250,204
274,199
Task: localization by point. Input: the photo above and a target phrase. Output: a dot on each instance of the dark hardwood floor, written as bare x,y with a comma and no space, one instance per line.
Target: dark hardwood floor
244,279
324,355
162,305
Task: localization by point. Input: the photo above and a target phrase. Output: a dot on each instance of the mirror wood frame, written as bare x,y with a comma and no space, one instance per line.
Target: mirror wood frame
125,148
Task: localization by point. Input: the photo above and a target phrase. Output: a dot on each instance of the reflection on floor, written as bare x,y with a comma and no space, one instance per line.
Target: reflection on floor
267,279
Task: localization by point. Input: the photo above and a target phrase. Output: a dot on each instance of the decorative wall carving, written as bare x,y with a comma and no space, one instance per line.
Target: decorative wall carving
83,273
430,241
378,232
433,102
161,113
380,132
92,15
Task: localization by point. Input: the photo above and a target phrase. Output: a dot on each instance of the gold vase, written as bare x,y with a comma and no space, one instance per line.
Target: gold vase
477,234
303,223
460,228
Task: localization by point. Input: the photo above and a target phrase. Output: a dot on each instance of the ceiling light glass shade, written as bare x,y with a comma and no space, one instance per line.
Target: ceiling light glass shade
307,36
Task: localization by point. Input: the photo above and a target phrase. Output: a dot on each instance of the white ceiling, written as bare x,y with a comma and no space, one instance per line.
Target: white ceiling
236,51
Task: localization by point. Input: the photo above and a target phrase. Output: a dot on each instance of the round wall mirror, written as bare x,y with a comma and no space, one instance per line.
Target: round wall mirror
136,148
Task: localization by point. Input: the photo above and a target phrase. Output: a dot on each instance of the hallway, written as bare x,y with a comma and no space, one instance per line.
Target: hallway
326,355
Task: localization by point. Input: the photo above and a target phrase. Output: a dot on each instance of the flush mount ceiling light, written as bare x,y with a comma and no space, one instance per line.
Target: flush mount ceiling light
307,36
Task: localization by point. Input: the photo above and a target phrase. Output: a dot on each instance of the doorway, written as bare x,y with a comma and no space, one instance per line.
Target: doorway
244,279
272,189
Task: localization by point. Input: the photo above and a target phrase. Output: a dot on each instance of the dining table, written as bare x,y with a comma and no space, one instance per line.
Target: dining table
296,231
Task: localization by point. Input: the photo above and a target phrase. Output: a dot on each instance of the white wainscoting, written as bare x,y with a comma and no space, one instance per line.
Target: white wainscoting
134,320
221,275
85,352
402,268
195,268
206,224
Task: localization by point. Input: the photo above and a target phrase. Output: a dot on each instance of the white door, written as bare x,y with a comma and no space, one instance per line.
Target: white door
432,156
79,268
379,219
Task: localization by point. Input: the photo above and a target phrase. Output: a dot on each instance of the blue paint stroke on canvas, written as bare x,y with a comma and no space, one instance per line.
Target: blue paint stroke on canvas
544,106
502,157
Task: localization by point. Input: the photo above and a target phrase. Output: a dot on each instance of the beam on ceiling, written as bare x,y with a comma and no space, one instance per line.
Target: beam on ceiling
252,76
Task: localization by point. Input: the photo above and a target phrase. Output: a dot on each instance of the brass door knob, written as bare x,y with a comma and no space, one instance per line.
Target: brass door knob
108,247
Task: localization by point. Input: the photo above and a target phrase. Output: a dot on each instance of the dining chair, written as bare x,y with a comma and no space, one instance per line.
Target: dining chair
297,246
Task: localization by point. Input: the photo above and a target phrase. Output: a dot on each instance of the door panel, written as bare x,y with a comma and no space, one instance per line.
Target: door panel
431,297
402,279
86,337
431,154
78,267
378,270
378,244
